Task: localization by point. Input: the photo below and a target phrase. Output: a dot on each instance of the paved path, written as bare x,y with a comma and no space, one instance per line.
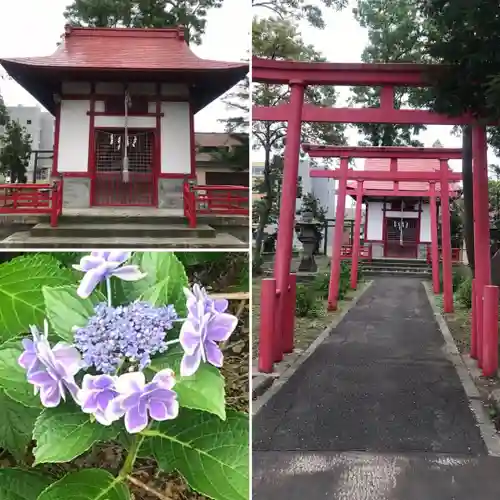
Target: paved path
377,412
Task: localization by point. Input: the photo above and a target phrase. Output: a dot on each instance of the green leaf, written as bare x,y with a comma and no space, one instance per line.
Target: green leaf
211,454
65,432
16,426
17,484
21,298
165,279
65,309
202,391
13,377
88,484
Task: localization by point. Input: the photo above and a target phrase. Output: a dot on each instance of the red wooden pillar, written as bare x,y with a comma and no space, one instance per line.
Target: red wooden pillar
289,318
267,334
288,199
434,239
473,320
482,263
356,236
446,239
333,290
490,332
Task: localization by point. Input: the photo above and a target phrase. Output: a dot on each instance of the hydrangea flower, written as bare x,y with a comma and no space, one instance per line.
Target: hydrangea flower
139,400
50,369
134,332
205,325
99,266
198,301
97,392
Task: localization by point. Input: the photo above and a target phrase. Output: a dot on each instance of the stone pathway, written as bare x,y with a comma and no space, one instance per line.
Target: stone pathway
377,412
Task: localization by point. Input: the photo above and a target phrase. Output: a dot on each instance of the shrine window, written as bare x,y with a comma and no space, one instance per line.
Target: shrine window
115,105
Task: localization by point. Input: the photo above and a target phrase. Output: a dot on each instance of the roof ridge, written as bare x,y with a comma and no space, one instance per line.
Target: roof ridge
172,32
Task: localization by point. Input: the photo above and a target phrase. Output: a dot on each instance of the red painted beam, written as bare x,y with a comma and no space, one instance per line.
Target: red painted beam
392,192
324,73
312,113
385,175
318,151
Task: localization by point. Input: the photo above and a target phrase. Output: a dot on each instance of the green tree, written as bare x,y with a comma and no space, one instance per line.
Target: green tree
464,36
15,151
4,116
237,100
143,14
300,9
396,33
280,39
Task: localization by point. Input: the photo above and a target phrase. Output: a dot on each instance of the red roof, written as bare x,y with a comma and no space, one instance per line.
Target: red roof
113,53
404,165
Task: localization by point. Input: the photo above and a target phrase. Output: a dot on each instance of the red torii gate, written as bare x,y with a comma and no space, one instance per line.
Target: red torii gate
277,336
444,176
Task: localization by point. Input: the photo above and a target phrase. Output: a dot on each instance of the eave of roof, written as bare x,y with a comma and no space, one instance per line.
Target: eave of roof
107,54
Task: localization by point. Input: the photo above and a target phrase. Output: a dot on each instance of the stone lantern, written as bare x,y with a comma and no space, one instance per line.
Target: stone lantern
308,233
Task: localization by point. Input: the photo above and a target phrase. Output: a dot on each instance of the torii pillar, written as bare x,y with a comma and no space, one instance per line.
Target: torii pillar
356,236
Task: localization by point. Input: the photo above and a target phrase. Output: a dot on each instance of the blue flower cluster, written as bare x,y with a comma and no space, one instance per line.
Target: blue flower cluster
134,332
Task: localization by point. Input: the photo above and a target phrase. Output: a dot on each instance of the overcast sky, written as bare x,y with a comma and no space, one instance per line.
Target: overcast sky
33,27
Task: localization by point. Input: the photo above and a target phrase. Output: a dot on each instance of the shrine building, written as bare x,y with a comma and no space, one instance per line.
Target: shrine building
397,214
124,101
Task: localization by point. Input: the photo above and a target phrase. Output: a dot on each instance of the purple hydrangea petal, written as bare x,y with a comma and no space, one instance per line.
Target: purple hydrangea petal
102,418
88,262
164,379
40,378
51,395
128,273
89,281
131,401
213,354
100,254
114,411
158,410
68,356
117,256
88,401
220,305
190,336
221,326
190,363
129,383
135,421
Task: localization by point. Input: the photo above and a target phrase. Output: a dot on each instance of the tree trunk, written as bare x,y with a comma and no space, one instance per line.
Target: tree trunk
264,216
468,193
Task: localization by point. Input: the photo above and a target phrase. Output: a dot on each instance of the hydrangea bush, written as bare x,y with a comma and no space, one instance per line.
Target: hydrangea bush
122,350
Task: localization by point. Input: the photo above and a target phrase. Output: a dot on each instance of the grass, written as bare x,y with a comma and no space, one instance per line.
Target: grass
307,329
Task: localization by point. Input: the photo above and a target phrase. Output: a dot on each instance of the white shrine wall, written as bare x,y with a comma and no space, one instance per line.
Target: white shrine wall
74,128
75,125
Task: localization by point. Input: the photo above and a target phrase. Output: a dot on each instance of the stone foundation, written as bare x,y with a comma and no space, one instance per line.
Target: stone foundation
170,193
377,250
76,192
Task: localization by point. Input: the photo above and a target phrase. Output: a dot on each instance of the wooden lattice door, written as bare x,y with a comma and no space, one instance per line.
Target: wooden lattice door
401,238
111,185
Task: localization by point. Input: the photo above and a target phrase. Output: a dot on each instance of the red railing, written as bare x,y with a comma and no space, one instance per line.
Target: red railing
456,254
365,252
216,199
34,199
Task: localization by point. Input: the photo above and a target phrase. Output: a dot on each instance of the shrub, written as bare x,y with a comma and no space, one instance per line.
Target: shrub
464,293
321,284
307,302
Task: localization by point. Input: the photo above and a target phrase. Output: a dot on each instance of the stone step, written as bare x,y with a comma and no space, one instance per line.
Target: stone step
123,229
399,263
396,272
24,240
